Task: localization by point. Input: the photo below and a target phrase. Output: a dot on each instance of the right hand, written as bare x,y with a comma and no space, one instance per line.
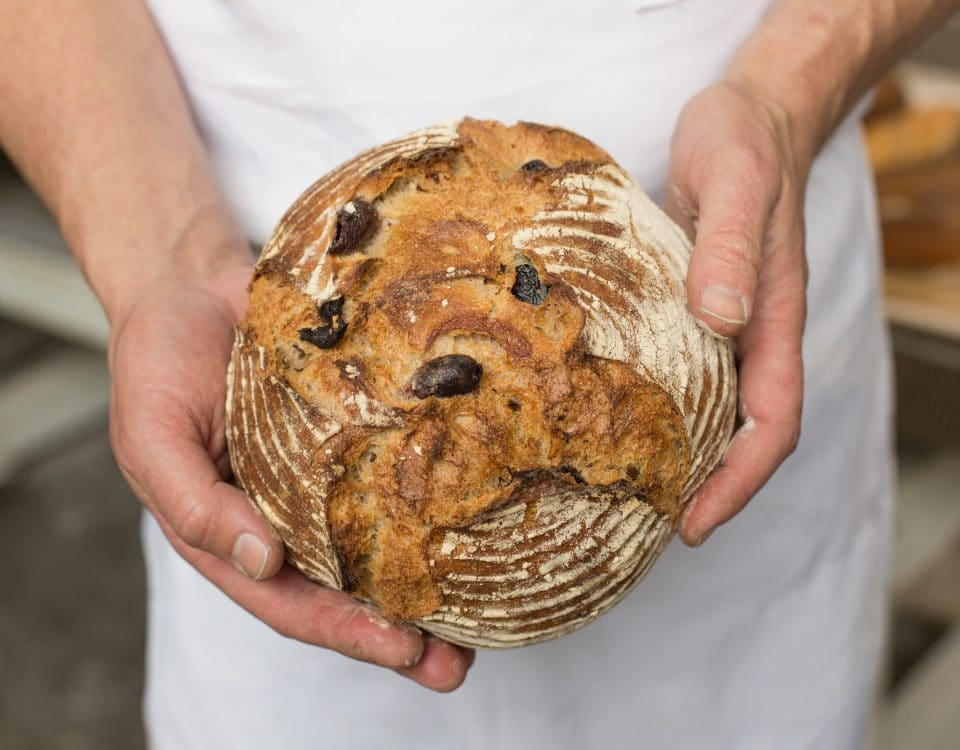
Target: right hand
168,359
737,186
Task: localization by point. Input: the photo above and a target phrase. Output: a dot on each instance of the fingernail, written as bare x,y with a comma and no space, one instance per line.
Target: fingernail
250,555
724,303
415,659
703,538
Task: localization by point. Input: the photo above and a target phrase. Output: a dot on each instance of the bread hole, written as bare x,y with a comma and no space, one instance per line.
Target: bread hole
482,347
499,480
552,325
398,186
363,468
385,205
573,473
361,571
366,275
292,356
534,165
513,404
458,164
467,422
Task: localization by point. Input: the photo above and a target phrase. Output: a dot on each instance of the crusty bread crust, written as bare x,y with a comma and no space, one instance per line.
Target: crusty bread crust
467,388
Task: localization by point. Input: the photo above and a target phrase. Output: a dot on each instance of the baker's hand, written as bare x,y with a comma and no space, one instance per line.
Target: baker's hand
737,185
168,358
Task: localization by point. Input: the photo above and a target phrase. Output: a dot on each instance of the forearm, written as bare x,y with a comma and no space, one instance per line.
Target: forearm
813,59
94,116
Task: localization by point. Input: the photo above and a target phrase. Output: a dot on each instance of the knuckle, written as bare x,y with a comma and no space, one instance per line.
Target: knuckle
793,440
734,249
791,437
742,157
747,162
757,163
343,635
121,454
128,461
120,443
130,437
194,522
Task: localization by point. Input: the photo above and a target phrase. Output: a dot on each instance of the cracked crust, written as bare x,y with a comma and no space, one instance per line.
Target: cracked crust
531,493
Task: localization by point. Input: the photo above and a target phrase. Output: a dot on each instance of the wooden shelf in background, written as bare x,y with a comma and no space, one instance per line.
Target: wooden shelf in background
926,299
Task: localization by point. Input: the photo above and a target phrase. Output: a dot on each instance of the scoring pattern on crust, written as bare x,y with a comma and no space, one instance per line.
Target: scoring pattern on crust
538,570
605,224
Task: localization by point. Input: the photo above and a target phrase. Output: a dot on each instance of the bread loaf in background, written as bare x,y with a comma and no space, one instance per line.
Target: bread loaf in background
913,138
468,388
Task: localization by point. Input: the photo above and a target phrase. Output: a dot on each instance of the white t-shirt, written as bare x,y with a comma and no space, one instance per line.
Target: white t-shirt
767,637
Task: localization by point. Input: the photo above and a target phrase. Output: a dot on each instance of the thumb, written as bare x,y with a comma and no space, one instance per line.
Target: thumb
175,476
733,212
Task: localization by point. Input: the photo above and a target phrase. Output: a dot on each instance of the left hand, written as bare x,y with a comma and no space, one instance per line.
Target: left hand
168,355
737,185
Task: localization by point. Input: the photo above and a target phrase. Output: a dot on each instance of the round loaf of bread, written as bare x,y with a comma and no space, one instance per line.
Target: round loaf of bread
468,388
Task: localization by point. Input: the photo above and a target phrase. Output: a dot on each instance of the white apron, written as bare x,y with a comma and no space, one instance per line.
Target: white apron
769,636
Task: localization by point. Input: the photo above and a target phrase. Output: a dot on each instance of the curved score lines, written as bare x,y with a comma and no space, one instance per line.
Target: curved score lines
337,187
546,584
641,328
268,466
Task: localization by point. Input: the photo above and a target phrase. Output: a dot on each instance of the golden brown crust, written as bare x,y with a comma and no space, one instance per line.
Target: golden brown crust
427,263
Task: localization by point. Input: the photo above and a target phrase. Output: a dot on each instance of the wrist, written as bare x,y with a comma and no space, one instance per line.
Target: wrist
205,253
807,67
798,125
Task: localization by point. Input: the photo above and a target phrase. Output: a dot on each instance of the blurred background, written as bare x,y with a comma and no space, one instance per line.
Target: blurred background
71,617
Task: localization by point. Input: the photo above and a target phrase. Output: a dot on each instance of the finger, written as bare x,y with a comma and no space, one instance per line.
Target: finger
755,452
734,201
306,611
172,469
443,667
298,608
771,396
